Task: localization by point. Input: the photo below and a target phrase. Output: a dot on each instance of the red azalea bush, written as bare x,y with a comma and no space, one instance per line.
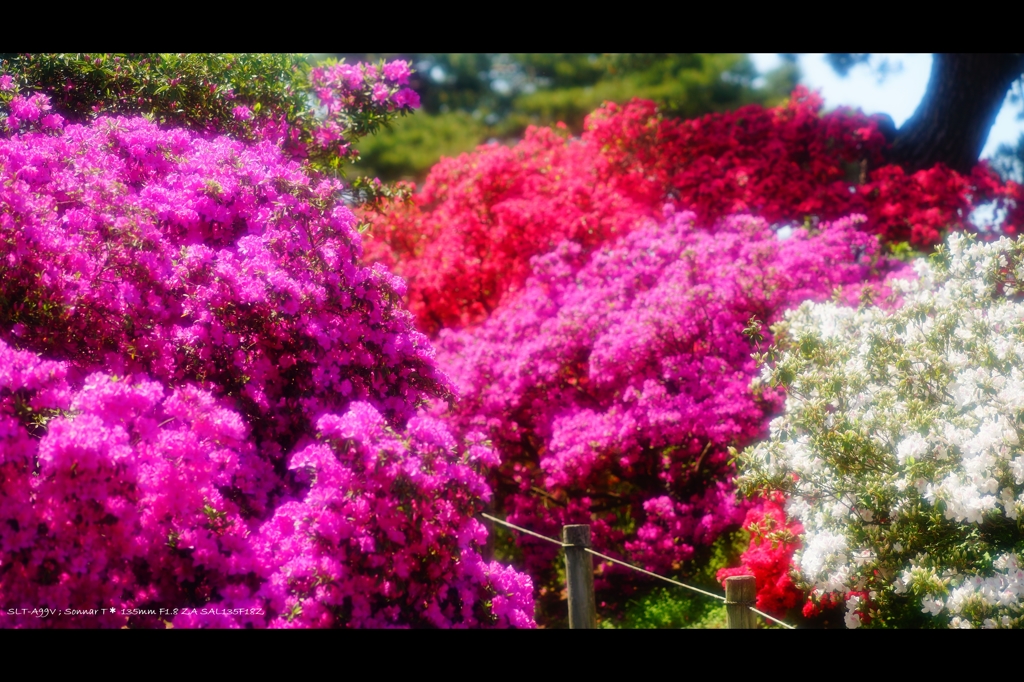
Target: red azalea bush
467,238
614,383
208,408
770,559
470,234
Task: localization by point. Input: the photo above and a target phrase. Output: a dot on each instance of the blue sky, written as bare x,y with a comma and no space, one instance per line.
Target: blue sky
897,95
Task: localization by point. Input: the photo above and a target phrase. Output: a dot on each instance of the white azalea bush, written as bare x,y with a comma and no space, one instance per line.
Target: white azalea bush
901,448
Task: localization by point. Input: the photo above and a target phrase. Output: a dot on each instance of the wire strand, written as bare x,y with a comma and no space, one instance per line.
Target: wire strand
772,619
635,568
655,575
523,530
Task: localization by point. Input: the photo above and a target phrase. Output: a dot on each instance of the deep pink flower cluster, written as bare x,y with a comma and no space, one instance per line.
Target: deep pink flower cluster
131,249
345,87
206,403
614,383
32,112
341,87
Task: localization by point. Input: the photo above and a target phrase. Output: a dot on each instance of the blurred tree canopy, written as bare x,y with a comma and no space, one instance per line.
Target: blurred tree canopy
470,99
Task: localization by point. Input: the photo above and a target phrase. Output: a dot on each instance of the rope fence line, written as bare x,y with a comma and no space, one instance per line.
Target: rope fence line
586,548
774,620
655,575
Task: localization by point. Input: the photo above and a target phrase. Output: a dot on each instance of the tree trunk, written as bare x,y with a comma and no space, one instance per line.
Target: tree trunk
952,122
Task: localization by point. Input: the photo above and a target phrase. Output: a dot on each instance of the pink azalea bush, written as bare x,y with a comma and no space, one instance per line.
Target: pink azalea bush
614,384
208,408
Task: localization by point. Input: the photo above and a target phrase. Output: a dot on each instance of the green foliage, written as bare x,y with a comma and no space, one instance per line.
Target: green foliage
685,85
196,91
677,607
670,608
411,145
904,251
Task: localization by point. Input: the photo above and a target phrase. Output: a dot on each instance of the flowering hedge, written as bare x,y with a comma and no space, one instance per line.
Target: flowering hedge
467,238
614,383
899,446
206,403
316,113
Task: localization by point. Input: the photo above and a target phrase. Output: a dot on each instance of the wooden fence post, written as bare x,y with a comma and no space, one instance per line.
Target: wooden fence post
579,574
740,595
